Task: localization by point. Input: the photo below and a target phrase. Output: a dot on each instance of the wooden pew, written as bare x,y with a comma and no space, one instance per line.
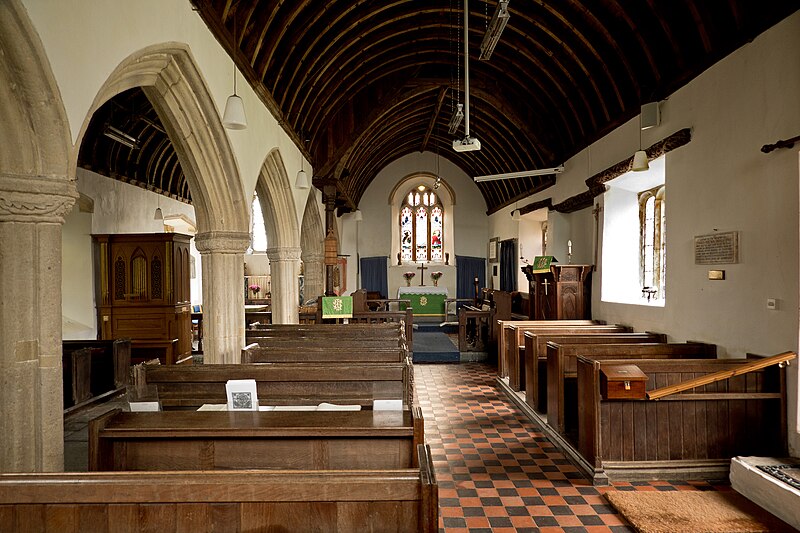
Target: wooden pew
514,345
388,330
214,440
562,369
403,500
295,352
189,387
690,435
93,370
502,325
536,356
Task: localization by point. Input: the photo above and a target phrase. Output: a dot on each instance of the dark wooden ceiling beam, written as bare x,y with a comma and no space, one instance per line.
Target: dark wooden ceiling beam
434,117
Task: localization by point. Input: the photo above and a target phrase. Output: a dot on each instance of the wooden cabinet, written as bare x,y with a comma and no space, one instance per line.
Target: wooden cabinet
563,293
142,293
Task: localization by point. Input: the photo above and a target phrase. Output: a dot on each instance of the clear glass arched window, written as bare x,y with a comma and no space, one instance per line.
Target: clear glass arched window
653,241
421,226
258,231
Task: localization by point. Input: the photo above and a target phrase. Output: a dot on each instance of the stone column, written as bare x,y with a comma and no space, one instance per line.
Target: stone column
222,254
32,210
314,275
284,265
329,198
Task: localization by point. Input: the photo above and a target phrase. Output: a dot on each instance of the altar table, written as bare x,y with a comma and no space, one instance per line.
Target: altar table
425,301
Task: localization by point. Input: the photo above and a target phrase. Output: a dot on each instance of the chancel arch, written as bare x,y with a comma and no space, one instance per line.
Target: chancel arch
283,236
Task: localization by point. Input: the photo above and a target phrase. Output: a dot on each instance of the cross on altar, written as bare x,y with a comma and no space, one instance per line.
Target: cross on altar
422,268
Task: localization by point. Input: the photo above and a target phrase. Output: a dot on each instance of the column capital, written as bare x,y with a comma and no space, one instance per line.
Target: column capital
283,254
36,198
222,242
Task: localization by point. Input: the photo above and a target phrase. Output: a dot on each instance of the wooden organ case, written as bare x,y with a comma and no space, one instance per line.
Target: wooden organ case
142,291
563,293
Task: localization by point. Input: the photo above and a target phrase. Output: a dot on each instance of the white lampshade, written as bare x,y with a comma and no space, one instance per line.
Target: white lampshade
515,215
234,117
640,162
302,180
158,214
358,216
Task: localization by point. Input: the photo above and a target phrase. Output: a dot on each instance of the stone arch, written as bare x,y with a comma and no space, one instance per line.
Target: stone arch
312,238
171,80
36,192
283,236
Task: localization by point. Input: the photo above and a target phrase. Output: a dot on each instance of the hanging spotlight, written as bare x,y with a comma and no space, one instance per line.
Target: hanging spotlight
158,214
455,120
495,29
515,215
358,216
234,118
467,144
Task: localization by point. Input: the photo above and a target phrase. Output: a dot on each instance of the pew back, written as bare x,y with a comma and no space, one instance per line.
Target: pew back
535,354
562,364
284,383
739,416
405,500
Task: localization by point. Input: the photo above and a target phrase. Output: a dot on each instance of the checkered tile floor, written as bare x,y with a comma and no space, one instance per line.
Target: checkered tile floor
496,471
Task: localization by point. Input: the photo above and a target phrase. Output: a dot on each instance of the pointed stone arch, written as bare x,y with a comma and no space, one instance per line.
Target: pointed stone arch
36,192
172,81
283,236
312,239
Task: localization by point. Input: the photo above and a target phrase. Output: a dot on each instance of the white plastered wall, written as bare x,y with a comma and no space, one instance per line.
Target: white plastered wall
376,231
719,181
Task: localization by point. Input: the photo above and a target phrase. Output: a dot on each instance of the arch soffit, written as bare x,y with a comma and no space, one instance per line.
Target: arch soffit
425,178
169,76
38,141
312,233
277,203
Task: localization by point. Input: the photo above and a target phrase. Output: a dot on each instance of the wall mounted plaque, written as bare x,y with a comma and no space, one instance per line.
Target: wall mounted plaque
716,248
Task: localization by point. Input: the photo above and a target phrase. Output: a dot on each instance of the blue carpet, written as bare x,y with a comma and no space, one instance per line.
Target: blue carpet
434,347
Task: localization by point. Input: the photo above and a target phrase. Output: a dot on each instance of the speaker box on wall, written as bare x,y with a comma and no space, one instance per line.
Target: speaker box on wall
651,115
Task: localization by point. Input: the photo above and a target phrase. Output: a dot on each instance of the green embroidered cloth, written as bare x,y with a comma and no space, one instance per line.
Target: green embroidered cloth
337,307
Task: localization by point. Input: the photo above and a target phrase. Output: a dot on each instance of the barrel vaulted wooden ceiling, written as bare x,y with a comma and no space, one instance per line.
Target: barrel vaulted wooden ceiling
360,83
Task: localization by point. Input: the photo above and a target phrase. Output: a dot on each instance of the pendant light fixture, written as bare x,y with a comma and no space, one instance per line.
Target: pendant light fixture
302,178
640,162
234,118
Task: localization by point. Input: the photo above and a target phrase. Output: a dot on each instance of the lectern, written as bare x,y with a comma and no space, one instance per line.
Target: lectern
562,293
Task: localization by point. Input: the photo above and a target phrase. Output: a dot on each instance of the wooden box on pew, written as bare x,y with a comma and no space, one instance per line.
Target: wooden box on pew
620,382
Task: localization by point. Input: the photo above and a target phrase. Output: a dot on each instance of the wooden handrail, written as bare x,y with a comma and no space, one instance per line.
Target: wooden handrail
719,376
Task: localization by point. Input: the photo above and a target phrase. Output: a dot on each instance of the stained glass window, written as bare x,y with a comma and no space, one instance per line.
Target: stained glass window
421,226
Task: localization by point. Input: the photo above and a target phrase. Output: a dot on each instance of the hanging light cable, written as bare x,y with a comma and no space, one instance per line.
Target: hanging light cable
234,118
640,162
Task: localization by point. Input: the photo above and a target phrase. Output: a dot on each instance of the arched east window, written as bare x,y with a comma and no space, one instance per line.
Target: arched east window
421,226
653,242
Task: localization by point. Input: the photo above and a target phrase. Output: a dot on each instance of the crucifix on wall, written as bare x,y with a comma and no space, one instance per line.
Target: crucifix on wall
422,268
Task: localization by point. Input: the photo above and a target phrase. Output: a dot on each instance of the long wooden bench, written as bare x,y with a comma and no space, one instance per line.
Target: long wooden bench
189,387
515,347
356,331
296,353
687,435
403,500
500,337
562,397
214,440
536,356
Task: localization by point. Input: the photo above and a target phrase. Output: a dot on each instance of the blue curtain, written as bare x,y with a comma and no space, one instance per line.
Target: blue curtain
508,265
373,275
469,268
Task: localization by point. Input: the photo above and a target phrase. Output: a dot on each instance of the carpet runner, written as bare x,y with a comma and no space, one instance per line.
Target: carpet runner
434,346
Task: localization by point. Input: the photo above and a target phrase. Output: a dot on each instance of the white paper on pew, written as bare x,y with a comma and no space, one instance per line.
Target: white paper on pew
213,407
144,407
387,405
266,407
295,408
242,395
324,406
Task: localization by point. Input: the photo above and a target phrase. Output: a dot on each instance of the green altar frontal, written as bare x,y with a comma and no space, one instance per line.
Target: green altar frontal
425,301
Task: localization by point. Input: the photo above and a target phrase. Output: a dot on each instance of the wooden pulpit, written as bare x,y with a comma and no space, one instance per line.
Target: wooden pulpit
562,293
